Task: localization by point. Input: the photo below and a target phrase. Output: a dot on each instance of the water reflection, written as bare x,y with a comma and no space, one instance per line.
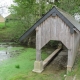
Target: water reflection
4,55
8,51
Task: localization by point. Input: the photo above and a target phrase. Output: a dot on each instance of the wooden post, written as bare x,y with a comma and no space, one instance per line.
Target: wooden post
38,44
38,55
38,64
69,64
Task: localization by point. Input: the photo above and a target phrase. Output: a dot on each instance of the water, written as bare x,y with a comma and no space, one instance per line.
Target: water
9,50
4,55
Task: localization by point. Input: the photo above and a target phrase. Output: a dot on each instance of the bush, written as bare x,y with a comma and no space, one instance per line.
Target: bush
17,66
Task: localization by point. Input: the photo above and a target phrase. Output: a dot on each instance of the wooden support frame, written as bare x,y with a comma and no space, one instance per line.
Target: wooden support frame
46,32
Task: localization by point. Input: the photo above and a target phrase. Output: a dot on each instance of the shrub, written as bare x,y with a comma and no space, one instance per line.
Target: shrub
17,66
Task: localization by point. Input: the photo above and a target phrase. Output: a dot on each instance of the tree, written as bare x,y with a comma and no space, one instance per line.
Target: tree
70,6
29,11
25,11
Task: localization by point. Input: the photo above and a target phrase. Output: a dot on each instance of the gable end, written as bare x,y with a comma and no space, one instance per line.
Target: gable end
53,12
71,26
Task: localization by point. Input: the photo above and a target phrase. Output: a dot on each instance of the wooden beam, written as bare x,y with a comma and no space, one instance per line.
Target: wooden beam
46,61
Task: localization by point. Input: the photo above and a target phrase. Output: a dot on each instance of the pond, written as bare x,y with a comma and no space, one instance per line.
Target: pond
9,50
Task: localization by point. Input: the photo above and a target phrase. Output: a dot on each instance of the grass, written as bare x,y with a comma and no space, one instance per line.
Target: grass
11,32
2,24
2,48
19,67
8,68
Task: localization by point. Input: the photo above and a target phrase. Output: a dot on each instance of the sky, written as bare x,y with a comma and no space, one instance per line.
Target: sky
5,4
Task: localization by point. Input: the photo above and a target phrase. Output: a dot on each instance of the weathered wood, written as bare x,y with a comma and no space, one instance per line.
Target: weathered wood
43,35
42,38
47,31
38,55
46,61
53,28
38,44
76,39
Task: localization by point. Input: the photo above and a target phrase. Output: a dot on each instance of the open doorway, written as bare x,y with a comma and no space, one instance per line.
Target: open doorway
59,61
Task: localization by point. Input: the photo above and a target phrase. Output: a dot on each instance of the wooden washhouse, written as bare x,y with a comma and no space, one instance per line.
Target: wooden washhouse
55,25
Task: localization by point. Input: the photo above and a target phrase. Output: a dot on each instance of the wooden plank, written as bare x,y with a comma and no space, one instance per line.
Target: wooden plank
43,34
59,28
68,36
46,31
61,31
46,61
42,38
53,28
64,34
49,30
67,39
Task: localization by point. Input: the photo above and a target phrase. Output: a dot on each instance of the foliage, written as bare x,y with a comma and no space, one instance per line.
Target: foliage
12,31
70,6
27,12
24,12
29,9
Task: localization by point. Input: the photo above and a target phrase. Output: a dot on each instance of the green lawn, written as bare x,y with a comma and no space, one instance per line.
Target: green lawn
20,66
2,24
